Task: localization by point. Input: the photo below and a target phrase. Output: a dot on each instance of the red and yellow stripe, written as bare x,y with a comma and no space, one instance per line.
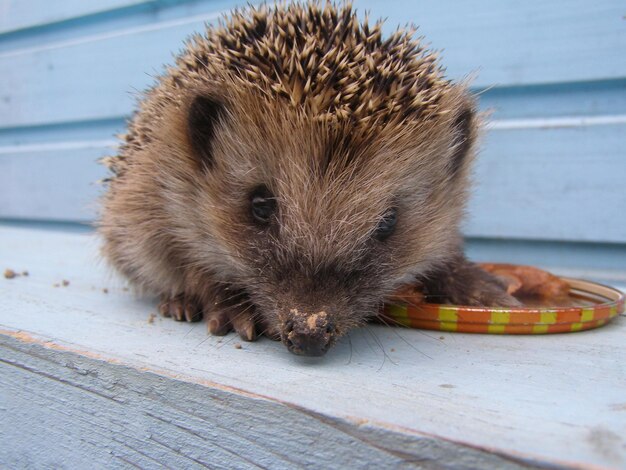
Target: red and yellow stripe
516,320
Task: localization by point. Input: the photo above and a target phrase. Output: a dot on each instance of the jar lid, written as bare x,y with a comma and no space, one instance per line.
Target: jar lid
589,305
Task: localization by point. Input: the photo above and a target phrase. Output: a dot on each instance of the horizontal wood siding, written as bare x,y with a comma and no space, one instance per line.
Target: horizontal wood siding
551,74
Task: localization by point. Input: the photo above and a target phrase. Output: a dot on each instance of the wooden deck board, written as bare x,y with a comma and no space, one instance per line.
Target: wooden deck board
442,398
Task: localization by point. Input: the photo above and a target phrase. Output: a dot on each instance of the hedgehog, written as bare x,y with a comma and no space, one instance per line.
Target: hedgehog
289,171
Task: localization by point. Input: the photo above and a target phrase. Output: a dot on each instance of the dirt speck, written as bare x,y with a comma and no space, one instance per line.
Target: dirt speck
56,284
237,345
9,273
393,350
605,442
105,290
447,386
25,273
65,282
442,338
151,318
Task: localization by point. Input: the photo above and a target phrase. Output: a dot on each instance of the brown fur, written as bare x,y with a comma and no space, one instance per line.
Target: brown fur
340,125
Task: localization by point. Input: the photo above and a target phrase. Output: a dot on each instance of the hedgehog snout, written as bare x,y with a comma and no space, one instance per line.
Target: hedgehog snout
308,334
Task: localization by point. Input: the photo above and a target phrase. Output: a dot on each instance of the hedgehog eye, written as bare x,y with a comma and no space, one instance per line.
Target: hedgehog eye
387,225
262,205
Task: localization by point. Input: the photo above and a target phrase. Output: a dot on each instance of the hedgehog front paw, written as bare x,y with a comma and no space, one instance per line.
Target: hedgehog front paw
465,283
231,310
244,321
239,318
484,290
495,296
180,308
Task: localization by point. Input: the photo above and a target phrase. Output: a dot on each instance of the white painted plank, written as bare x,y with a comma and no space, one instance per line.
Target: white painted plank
16,15
509,43
120,17
558,183
551,399
122,416
90,78
602,98
53,184
68,132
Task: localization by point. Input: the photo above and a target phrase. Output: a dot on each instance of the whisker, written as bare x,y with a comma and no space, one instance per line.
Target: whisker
191,329
204,340
394,330
350,343
382,348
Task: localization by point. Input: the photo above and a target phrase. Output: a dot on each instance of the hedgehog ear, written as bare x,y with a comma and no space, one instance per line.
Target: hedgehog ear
464,136
204,115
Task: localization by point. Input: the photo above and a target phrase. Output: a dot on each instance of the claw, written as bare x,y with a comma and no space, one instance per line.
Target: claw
180,308
220,321
176,310
193,312
164,307
244,325
218,324
240,318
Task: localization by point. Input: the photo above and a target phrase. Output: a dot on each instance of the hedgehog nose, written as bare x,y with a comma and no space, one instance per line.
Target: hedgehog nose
308,335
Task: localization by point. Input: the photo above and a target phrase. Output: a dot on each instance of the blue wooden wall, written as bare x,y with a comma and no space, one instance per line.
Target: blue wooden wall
553,164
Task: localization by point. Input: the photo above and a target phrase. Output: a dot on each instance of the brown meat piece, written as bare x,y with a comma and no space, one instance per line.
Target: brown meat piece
526,281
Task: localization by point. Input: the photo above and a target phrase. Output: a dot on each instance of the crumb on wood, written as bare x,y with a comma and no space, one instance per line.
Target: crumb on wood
9,273
65,282
237,345
105,290
151,318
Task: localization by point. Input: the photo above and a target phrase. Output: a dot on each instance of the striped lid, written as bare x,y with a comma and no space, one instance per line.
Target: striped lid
601,304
